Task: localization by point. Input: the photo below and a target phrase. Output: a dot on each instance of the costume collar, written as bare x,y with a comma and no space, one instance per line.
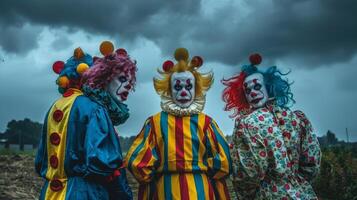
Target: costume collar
169,106
118,112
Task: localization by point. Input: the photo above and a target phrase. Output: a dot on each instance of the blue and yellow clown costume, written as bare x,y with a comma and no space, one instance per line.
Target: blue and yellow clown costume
180,153
79,149
275,152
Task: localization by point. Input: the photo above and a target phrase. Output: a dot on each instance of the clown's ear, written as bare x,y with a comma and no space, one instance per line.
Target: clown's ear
196,62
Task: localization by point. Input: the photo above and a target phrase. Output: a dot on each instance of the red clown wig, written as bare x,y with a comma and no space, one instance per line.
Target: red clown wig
233,95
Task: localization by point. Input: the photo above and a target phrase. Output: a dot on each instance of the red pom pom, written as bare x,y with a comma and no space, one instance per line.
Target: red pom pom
255,59
58,67
121,52
168,65
197,61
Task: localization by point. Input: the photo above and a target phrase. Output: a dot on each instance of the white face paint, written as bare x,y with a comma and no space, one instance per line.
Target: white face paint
119,87
255,90
183,88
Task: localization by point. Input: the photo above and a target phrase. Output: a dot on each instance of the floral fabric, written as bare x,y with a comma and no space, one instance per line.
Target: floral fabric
275,155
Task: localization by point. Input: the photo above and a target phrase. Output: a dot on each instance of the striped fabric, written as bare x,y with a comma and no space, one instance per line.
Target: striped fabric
180,158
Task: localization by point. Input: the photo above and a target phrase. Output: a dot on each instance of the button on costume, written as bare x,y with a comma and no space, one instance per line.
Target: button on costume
79,155
180,152
275,151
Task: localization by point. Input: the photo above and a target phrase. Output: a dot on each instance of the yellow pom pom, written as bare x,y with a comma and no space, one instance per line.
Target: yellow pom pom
63,81
81,68
181,54
106,48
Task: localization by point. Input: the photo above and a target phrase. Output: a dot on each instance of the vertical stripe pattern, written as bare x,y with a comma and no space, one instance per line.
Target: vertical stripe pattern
187,149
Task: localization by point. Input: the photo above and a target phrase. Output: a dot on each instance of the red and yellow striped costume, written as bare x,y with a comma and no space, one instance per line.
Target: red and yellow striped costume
180,158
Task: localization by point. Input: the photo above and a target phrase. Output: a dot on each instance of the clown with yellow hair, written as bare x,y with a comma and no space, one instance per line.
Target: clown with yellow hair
180,152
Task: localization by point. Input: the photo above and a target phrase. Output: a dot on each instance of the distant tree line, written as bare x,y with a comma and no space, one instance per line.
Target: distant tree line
28,132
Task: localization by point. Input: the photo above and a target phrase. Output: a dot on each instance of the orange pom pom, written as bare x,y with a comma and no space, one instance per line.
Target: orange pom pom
78,53
181,54
81,68
63,81
106,48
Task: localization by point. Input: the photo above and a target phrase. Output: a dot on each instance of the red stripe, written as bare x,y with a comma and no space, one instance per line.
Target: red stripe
180,164
207,122
184,187
210,190
144,161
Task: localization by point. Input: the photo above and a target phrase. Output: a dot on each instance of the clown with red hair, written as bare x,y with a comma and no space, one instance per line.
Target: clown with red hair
275,151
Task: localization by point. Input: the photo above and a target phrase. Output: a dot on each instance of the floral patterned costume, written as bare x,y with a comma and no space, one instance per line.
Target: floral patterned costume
275,154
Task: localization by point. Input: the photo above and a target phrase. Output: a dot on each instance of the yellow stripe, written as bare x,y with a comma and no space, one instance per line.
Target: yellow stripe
192,192
172,143
201,134
187,142
175,186
205,185
64,104
160,145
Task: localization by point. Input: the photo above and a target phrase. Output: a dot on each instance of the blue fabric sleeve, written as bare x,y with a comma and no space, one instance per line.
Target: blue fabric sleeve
41,155
102,147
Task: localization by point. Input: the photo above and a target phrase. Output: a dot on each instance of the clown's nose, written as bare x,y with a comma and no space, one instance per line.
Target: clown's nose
253,94
128,87
183,94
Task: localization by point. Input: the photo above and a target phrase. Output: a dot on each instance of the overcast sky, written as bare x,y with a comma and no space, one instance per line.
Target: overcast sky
315,39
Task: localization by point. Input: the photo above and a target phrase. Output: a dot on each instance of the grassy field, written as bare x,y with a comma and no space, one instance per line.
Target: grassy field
18,179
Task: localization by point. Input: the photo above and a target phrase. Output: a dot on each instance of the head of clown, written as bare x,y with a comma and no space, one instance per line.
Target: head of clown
181,82
252,88
255,91
114,72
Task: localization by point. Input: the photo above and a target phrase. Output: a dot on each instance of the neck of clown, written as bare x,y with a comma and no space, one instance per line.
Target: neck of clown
168,105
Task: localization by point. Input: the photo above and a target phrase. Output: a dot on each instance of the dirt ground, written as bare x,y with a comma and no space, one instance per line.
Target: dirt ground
18,179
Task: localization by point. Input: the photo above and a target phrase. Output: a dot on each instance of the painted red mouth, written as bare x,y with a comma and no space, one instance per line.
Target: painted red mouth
255,101
124,95
183,101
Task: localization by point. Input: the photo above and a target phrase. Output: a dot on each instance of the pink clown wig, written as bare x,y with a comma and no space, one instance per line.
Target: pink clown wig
105,69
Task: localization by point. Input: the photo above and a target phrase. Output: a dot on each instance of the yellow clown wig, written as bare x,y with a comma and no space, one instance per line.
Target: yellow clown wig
203,81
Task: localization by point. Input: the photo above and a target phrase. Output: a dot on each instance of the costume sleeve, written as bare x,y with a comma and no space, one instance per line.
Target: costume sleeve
310,152
249,166
142,158
219,160
102,147
41,155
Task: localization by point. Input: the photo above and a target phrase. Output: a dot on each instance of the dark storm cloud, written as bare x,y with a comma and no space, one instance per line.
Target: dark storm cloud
18,38
314,32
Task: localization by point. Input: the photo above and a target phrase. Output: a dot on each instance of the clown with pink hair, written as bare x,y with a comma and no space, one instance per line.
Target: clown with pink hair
79,155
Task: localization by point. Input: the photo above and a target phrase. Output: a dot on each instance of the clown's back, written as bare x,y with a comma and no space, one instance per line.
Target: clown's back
180,158
78,145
